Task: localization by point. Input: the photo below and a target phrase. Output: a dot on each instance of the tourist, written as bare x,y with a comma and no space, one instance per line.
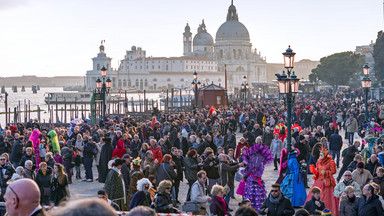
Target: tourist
105,156
348,181
218,206
142,210
59,185
191,164
350,153
379,180
347,201
28,171
211,167
19,174
102,194
67,153
28,156
135,146
17,151
276,203
22,198
276,146
166,170
315,205
369,204
352,127
361,176
226,176
142,196
84,207
372,165
88,153
335,144
178,159
163,199
150,166
49,159
43,180
198,193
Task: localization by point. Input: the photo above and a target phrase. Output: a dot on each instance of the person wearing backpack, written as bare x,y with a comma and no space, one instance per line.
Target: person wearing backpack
89,152
67,153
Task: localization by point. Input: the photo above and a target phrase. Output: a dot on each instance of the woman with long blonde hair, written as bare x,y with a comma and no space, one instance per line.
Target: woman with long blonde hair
59,185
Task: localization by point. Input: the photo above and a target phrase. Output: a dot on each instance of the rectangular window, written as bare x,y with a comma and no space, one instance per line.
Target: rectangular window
218,100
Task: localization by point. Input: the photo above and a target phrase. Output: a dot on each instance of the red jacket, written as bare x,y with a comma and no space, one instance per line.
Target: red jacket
239,147
157,154
119,151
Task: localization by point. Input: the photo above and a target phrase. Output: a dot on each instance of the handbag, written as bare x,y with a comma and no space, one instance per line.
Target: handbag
190,206
239,176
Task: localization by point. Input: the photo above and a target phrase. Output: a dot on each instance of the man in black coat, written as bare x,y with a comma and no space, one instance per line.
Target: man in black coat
179,164
303,147
350,153
257,131
276,204
17,152
105,157
335,144
181,143
368,204
229,140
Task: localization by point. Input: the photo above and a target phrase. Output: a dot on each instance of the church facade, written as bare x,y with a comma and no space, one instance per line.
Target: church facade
231,51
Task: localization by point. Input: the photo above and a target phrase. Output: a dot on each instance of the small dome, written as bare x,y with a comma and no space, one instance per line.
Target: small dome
203,39
187,28
232,30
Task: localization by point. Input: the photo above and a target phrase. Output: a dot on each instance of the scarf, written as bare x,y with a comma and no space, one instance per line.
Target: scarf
351,199
44,172
223,204
275,201
347,182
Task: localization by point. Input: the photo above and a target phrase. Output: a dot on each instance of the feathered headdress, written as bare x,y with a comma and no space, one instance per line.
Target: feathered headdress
256,158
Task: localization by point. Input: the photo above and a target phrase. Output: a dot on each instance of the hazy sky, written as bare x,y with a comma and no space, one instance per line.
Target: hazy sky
59,37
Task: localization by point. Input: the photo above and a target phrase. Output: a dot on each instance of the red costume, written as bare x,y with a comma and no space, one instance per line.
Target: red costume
325,168
239,147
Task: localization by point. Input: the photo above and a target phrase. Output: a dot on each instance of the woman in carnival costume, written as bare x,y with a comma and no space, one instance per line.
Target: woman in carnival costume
324,171
293,185
35,138
283,166
255,159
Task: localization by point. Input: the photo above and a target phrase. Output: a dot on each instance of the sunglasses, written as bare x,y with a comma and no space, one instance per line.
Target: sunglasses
274,191
168,188
2,159
17,197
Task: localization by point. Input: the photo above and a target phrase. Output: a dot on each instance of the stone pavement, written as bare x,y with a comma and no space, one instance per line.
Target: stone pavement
80,189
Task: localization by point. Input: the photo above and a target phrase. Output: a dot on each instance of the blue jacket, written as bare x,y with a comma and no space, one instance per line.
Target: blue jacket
335,142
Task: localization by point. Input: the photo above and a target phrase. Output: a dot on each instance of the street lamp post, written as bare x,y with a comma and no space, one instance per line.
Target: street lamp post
366,84
103,87
196,85
244,87
288,85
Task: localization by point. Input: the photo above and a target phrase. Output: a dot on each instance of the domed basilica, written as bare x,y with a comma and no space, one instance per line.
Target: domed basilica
231,51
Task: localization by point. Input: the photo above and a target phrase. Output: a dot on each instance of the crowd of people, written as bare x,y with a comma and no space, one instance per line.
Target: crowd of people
144,163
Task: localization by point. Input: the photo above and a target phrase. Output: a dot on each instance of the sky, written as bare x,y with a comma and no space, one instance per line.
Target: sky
59,38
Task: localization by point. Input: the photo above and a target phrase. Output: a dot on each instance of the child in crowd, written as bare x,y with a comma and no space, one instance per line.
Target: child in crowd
58,158
314,206
77,164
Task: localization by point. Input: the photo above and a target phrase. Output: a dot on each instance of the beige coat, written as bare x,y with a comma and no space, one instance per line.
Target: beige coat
362,178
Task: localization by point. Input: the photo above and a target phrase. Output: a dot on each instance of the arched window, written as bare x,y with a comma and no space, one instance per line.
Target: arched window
129,83
145,82
221,54
125,83
166,67
137,83
141,84
239,53
234,54
154,80
169,80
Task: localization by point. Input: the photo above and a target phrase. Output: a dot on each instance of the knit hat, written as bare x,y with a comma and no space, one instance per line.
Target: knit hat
326,212
118,162
126,156
360,165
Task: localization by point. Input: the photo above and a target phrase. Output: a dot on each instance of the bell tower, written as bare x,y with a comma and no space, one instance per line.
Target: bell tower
187,40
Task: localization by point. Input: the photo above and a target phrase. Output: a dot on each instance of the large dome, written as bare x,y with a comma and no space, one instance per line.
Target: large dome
232,30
